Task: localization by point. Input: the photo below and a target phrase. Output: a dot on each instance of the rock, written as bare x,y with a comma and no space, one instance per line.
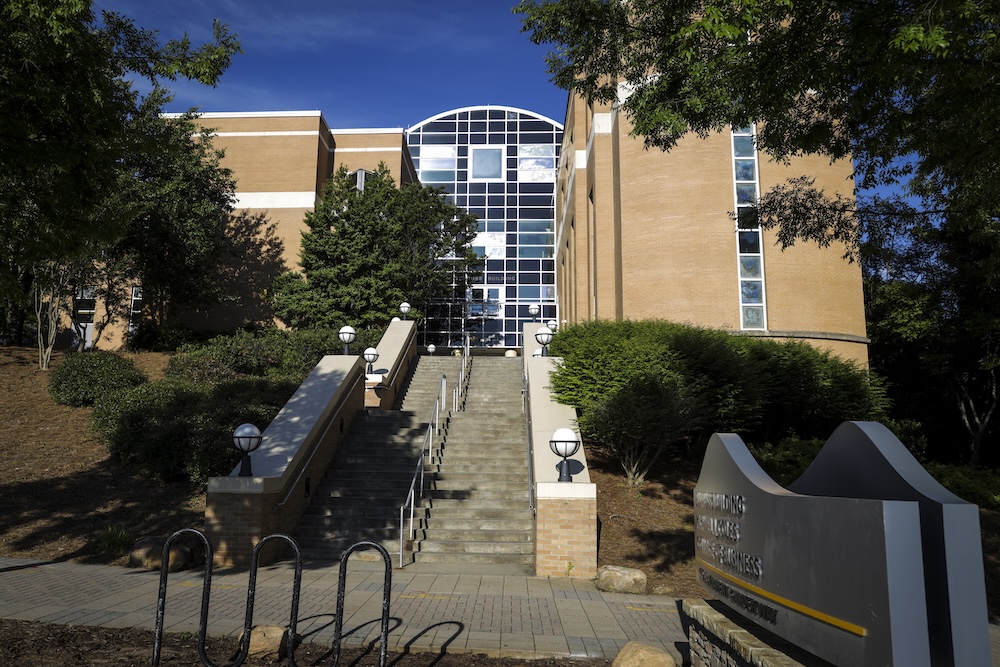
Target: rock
510,353
621,580
663,589
268,642
147,553
635,654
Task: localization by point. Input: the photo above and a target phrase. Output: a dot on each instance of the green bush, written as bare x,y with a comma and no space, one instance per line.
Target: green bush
149,337
181,431
83,377
786,461
764,390
263,353
981,487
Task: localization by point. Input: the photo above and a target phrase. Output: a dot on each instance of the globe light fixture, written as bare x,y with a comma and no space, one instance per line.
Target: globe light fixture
347,336
544,337
533,310
404,308
371,356
246,438
564,443
431,349
552,324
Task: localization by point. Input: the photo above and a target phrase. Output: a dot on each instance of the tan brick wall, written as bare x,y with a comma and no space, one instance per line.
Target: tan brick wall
566,537
654,238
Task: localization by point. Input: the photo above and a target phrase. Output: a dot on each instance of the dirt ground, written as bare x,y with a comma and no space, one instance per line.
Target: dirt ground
62,498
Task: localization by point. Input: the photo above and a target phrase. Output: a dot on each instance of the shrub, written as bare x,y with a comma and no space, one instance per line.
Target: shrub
264,353
181,431
693,381
981,487
149,337
786,461
83,377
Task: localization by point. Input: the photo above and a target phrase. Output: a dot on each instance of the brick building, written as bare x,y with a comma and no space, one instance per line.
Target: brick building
642,233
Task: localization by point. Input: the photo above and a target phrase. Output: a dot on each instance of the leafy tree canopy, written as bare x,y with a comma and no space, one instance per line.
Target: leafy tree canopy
906,89
366,251
73,125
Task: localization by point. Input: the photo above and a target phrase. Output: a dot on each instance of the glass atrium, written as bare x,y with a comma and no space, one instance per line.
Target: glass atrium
499,163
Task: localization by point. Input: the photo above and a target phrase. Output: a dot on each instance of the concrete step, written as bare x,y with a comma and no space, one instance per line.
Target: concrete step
474,558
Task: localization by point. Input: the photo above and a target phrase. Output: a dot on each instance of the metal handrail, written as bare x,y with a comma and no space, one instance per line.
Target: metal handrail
462,388
526,407
433,429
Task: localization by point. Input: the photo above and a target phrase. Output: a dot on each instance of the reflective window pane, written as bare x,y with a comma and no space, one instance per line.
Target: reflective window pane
487,163
750,266
743,146
750,242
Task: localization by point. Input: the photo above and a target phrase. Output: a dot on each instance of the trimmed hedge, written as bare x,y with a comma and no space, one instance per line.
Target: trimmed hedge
264,353
704,381
83,377
182,431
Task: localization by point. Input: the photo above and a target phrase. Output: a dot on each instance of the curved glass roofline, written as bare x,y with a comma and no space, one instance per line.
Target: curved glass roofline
484,107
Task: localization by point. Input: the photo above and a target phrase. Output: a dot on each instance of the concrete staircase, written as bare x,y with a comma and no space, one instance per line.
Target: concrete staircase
476,510
368,479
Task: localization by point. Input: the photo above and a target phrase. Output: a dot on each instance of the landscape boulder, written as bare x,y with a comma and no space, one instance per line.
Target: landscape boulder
268,642
147,553
615,579
635,654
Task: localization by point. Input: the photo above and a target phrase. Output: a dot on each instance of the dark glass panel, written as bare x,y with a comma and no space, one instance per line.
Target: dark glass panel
478,114
529,265
750,242
438,139
530,278
536,138
548,265
477,139
477,127
440,126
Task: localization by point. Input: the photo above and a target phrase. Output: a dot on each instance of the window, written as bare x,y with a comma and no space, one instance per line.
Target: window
749,251
487,164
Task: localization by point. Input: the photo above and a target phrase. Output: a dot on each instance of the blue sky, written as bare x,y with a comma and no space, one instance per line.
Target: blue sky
385,63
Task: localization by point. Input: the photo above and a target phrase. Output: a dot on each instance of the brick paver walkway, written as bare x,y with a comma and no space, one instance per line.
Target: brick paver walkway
450,609
499,614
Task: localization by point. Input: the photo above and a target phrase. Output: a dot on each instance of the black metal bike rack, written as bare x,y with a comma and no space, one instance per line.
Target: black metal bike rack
206,587
293,638
338,627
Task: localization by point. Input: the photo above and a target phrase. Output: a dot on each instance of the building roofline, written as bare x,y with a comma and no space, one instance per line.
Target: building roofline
252,114
485,107
367,130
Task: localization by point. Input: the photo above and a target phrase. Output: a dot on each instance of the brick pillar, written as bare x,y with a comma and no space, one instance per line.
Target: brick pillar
237,516
566,530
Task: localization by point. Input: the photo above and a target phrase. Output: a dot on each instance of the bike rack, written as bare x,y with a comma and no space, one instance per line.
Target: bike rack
338,627
244,648
293,638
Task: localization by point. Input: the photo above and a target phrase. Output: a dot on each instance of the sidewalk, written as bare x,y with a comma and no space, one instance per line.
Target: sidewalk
457,609
432,608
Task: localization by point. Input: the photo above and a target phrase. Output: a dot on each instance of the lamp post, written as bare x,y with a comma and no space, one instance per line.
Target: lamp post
404,308
544,337
371,356
431,349
246,438
533,310
564,443
347,336
552,324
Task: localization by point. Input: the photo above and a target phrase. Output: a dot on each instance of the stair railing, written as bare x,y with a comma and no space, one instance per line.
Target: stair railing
526,407
462,387
417,483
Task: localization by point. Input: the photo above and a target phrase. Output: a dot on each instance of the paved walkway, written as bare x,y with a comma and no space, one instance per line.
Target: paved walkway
457,609
433,608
